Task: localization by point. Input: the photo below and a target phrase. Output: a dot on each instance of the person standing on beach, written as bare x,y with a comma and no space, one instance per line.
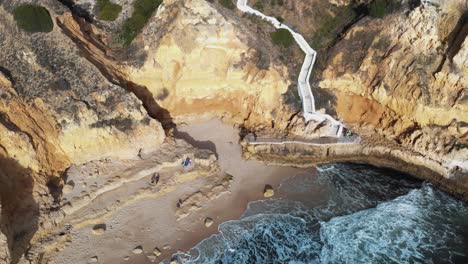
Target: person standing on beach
155,178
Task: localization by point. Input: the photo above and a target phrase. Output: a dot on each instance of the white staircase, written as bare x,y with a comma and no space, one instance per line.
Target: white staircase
308,100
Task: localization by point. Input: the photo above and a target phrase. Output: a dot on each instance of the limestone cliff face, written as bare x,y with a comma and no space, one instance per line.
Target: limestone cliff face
59,110
405,77
209,63
195,58
56,109
67,98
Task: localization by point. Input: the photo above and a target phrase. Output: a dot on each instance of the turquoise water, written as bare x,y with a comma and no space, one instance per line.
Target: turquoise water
362,215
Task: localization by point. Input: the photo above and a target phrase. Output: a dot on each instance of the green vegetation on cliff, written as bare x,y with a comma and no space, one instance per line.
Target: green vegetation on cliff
259,6
380,8
142,11
278,2
227,3
108,11
332,23
33,18
282,37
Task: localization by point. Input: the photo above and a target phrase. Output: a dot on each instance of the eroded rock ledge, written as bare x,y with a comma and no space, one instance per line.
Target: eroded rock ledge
373,151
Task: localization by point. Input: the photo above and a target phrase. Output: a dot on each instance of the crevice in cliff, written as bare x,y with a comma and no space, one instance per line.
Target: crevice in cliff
81,33
290,119
6,122
454,41
149,103
458,35
407,132
361,12
459,95
76,10
7,74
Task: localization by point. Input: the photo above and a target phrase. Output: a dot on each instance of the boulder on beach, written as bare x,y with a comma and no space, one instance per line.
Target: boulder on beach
93,259
67,189
157,252
99,229
151,258
126,258
268,191
138,250
208,222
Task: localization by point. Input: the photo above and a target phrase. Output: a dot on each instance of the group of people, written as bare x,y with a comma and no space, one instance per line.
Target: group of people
155,178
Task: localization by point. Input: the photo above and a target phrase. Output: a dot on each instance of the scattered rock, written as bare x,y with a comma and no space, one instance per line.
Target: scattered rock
138,250
174,262
157,252
99,229
152,258
93,259
68,188
126,258
166,247
268,191
208,222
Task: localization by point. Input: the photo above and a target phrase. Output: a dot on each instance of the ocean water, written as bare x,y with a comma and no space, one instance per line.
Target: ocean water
347,214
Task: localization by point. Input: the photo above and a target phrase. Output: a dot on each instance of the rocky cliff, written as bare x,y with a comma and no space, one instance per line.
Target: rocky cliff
73,97
210,63
61,107
397,79
406,82
56,109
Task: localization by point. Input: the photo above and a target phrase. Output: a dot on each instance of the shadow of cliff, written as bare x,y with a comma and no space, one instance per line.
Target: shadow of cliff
199,144
20,212
96,52
457,36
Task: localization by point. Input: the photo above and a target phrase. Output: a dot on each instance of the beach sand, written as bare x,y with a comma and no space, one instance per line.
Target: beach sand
151,221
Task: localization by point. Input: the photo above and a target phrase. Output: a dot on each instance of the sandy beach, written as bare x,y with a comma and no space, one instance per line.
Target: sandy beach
151,220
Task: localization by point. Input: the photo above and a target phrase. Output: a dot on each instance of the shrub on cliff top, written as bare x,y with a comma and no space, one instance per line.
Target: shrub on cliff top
259,6
380,8
142,11
33,18
282,37
330,25
108,11
227,3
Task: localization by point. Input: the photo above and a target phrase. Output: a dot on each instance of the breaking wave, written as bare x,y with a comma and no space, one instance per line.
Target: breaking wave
363,215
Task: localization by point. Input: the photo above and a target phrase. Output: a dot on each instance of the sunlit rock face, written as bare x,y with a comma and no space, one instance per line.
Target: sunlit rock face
405,77
207,63
58,109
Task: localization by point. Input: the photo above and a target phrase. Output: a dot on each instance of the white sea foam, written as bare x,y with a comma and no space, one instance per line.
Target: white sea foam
371,216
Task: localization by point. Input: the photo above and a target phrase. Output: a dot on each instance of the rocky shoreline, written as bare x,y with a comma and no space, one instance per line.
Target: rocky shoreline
369,151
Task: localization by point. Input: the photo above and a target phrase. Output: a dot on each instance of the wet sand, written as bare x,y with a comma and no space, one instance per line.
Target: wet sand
151,221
